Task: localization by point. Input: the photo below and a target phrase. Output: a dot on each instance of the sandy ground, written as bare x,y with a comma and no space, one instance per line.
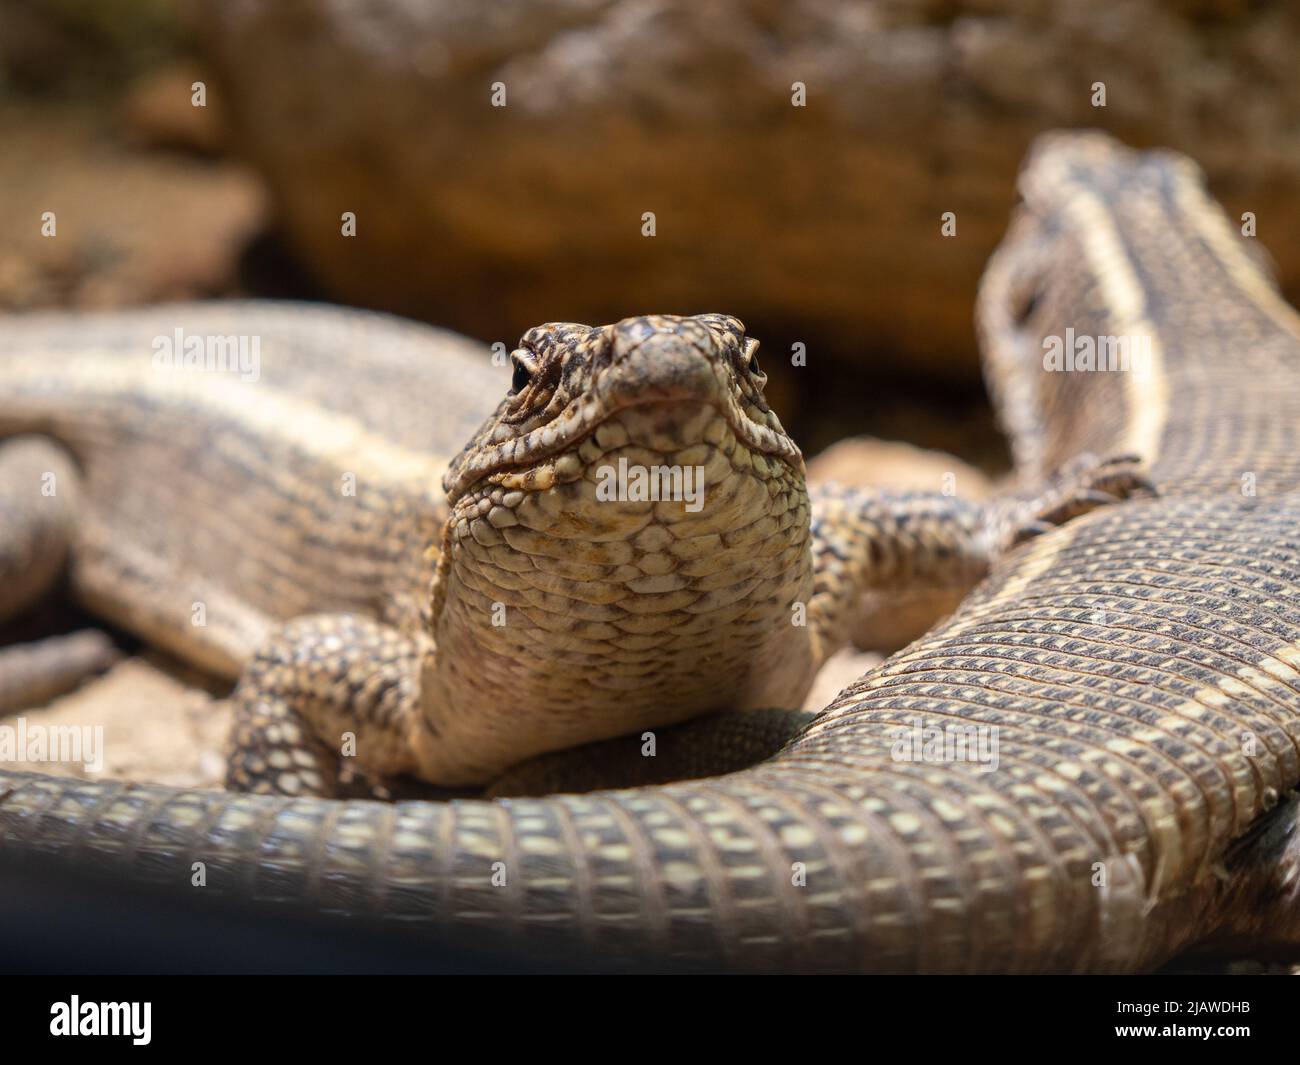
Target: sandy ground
159,724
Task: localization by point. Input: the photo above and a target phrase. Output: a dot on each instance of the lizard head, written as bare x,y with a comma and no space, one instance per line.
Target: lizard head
627,535
569,380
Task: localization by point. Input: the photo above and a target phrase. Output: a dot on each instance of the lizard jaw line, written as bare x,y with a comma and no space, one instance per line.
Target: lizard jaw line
547,443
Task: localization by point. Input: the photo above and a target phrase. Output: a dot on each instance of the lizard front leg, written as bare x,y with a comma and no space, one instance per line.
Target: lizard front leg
875,550
328,698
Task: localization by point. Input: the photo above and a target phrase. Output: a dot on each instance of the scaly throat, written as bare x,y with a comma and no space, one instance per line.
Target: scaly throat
652,580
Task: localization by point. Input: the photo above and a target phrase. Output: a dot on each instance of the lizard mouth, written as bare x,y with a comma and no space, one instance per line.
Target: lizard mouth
693,402
665,426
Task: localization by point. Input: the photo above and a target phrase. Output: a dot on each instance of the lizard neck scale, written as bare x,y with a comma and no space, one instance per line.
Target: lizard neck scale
575,600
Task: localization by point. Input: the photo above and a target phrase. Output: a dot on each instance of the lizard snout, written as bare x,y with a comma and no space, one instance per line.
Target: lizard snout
657,366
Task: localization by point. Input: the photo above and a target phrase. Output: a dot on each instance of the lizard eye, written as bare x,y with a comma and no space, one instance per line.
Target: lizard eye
521,376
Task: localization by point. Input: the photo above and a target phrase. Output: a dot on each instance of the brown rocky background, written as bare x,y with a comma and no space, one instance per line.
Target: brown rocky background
818,224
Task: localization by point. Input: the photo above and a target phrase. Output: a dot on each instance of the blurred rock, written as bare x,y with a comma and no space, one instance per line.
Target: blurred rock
817,223
864,462
157,111
161,724
130,227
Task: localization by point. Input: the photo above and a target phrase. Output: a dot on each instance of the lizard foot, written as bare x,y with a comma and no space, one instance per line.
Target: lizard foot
325,709
1080,486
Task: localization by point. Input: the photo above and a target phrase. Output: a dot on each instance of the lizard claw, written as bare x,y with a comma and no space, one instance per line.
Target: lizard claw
1027,531
1082,485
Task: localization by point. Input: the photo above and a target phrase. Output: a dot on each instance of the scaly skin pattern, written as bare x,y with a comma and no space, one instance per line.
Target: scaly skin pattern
573,603
1141,667
616,614
261,519
189,482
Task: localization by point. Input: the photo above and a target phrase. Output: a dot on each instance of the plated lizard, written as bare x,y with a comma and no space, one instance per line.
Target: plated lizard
1134,671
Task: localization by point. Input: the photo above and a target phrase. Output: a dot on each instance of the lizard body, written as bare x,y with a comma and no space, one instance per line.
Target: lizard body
1140,668
190,479
285,524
